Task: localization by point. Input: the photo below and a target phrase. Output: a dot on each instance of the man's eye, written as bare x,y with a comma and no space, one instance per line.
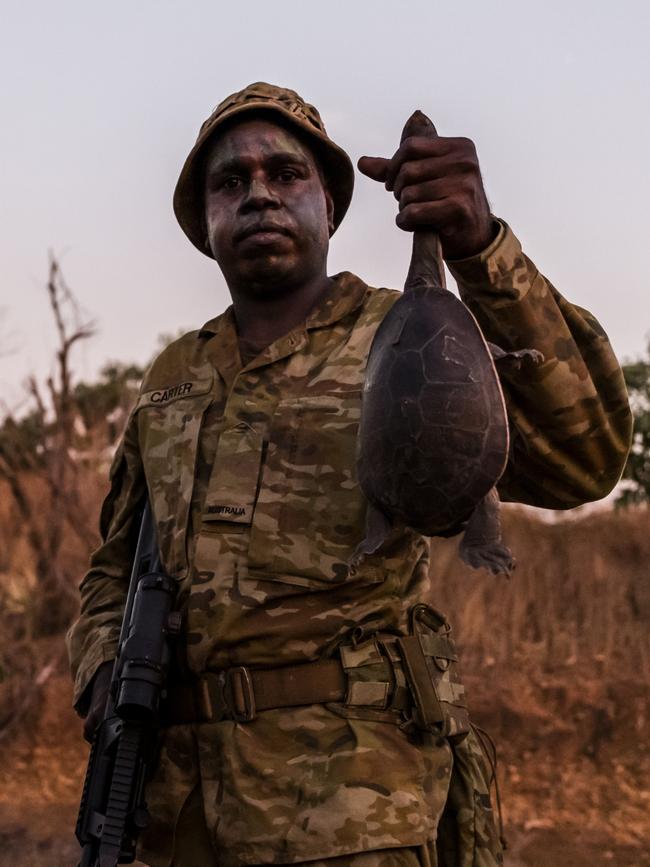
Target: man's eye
231,183
287,175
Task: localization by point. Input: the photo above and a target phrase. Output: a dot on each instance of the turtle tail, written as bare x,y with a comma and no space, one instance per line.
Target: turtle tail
378,529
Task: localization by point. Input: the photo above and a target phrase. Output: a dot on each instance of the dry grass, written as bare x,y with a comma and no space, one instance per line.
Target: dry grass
579,597
557,661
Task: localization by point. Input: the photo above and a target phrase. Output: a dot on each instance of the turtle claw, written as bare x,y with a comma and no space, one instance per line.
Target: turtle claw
496,558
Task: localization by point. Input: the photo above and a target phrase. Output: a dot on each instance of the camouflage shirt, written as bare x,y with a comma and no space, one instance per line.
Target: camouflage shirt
251,473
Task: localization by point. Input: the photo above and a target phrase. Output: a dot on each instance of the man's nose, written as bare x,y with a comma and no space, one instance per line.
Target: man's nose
260,195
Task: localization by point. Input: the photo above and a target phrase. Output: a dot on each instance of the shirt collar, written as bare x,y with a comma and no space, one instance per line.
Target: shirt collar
344,295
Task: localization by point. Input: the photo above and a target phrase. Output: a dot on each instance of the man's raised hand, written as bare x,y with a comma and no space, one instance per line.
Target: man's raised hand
437,182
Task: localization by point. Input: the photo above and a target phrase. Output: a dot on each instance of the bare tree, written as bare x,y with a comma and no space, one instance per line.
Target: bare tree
37,463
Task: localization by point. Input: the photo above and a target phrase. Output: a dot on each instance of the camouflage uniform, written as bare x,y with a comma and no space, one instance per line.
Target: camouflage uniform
251,473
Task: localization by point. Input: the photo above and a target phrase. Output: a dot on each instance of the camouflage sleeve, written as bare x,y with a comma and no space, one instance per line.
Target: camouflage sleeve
569,416
93,638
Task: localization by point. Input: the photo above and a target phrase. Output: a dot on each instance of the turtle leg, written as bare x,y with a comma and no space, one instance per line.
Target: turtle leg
515,358
482,546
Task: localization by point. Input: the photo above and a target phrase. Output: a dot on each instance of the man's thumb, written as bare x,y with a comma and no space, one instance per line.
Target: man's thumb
374,167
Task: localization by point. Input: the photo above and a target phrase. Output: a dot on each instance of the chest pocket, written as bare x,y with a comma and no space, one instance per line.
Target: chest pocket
309,511
235,476
169,424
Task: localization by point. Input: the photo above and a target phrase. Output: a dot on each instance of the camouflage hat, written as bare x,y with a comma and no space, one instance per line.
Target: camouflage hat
338,170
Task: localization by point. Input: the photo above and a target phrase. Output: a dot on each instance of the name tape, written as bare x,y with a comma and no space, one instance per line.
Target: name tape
163,396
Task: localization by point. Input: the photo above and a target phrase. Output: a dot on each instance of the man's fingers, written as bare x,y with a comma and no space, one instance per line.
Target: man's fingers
374,167
435,215
438,155
424,171
429,191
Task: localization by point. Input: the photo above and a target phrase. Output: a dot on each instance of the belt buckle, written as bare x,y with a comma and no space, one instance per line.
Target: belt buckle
239,685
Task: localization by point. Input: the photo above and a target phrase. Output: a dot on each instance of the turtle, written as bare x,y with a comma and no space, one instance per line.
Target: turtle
433,437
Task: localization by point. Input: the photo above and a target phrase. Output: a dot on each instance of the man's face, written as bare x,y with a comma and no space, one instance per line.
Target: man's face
268,215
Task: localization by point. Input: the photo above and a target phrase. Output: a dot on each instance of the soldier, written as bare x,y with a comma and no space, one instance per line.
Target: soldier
244,437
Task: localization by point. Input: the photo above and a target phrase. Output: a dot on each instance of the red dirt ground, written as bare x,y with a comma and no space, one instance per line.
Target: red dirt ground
562,806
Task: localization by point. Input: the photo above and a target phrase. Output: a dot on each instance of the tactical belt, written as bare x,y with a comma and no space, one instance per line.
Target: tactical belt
239,693
413,677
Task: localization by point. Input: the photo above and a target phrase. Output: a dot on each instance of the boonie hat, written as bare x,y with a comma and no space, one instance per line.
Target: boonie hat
336,164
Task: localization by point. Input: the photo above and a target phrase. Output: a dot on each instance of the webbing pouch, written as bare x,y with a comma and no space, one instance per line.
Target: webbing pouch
368,674
430,660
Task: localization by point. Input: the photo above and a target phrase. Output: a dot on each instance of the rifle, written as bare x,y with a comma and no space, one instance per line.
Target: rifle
113,809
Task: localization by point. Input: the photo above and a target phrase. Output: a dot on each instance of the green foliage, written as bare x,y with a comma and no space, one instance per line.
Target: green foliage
30,431
26,441
116,387
637,470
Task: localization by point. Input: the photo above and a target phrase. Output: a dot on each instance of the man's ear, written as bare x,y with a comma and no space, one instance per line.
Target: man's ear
206,239
329,204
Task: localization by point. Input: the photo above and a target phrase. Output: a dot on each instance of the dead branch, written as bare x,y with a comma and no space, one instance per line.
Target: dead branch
49,462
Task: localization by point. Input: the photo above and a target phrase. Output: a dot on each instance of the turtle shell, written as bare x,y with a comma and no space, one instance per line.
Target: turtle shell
433,437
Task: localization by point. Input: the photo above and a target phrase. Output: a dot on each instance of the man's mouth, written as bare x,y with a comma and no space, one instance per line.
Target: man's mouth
261,231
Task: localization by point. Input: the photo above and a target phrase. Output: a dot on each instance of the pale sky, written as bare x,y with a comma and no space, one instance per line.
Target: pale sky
101,102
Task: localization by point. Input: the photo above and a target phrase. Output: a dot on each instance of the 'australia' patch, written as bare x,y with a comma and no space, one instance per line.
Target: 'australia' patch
234,513
168,394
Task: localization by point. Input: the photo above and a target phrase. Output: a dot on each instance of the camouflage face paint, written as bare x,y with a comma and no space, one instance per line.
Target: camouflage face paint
267,213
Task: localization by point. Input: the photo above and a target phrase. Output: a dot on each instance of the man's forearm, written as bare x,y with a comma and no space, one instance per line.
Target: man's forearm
92,640
570,415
